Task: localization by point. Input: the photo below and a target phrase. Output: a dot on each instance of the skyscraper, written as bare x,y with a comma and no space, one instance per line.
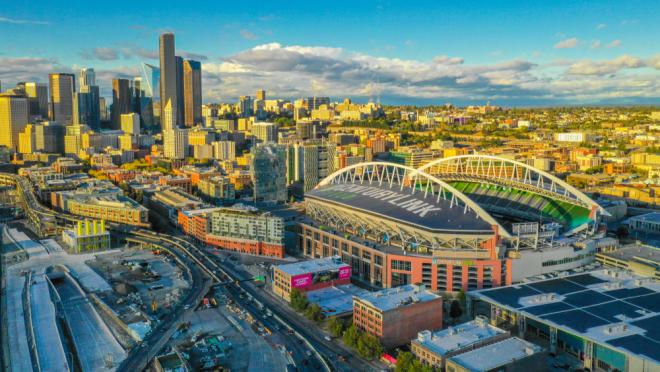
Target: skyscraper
38,97
49,137
150,81
121,101
268,172
261,94
88,100
192,92
168,69
62,87
179,90
14,115
87,79
245,106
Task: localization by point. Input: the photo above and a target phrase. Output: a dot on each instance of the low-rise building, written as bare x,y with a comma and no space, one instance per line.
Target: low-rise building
642,259
434,348
88,236
310,275
396,315
511,355
217,189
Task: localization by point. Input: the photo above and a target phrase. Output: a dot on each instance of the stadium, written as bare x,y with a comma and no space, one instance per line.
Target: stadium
464,222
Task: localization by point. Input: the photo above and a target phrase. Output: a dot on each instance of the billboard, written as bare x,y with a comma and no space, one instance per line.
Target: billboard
305,280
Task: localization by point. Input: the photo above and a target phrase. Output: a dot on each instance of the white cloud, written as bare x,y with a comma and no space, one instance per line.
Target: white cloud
614,44
22,21
567,43
596,44
605,67
601,26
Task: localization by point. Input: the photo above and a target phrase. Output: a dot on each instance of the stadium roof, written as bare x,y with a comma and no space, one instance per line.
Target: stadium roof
418,209
609,307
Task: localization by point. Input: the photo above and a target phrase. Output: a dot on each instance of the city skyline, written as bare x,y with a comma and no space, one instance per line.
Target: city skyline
513,54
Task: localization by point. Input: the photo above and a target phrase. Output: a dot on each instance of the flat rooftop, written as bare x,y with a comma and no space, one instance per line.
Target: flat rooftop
406,205
312,266
392,298
496,355
648,217
457,337
336,300
636,252
610,307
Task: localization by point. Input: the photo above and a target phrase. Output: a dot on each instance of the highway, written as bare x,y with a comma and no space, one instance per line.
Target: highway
139,356
320,353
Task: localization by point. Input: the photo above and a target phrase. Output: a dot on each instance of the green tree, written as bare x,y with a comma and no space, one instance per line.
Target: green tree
314,312
351,336
335,326
369,346
406,362
455,310
298,300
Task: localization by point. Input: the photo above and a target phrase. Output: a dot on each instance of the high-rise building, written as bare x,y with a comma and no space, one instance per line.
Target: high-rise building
168,86
265,132
130,123
175,143
175,139
62,88
49,137
150,83
38,99
261,95
87,79
179,89
245,106
73,138
313,162
26,140
144,103
313,103
88,100
192,92
224,150
268,172
14,115
121,100
103,109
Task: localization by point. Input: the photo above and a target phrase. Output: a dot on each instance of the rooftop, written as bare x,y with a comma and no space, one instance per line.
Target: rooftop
312,266
608,306
648,217
459,336
416,208
636,252
496,355
336,300
392,298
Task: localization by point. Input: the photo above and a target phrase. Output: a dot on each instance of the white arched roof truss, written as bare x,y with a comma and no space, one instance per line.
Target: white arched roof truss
397,175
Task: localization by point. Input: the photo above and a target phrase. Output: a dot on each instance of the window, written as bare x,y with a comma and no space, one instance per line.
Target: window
401,265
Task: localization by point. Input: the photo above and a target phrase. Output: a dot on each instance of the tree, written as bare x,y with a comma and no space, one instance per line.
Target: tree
335,326
369,346
314,312
298,300
351,336
455,310
406,362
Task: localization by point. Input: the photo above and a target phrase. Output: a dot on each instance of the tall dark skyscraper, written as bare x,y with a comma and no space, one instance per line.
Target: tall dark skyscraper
168,75
179,90
192,92
122,101
62,88
88,100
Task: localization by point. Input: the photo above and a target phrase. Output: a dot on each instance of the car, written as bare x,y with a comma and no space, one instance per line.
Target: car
187,307
327,338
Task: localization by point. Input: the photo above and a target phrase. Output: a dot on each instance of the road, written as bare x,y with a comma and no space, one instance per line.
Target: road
140,356
327,350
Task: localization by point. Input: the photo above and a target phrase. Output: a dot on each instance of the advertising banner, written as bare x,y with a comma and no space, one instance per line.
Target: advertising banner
345,272
301,281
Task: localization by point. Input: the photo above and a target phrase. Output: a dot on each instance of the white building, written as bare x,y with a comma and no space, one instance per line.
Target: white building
175,143
265,132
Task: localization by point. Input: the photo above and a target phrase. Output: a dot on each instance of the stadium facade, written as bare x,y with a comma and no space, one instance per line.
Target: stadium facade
460,223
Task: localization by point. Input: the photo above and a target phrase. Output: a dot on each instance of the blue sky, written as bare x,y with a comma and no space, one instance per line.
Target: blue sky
511,52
